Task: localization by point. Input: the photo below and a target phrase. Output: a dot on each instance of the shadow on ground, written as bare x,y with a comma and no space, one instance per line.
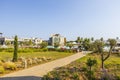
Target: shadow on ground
21,78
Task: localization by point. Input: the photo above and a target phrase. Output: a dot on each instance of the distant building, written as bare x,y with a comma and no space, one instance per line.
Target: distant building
116,48
1,39
57,39
37,41
10,41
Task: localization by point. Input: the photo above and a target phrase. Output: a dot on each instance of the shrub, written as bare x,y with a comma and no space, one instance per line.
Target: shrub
44,49
10,66
117,77
2,70
76,76
1,63
9,50
47,77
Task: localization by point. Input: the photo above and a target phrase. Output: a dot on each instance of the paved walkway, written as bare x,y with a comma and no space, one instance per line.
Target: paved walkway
36,72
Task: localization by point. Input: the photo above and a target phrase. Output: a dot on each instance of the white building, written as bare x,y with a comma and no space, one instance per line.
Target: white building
57,39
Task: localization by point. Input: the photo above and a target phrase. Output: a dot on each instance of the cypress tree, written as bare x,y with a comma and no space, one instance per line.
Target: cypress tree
15,56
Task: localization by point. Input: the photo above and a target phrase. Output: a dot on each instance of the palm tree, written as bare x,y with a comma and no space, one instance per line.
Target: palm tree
101,39
92,39
86,44
78,40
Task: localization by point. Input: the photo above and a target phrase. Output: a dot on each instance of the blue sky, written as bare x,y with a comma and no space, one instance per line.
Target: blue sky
70,18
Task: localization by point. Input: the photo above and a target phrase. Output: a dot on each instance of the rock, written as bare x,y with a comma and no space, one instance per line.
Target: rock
19,64
49,58
29,61
34,61
21,59
44,59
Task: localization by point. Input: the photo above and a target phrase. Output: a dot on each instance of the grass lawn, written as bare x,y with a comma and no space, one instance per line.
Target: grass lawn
78,70
52,54
6,56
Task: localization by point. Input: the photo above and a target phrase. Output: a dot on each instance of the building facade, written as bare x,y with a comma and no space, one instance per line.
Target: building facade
57,39
22,41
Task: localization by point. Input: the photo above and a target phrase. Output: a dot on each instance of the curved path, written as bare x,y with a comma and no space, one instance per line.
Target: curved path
34,73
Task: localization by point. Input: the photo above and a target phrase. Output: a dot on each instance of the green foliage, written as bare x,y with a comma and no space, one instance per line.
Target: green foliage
92,39
98,46
91,62
15,55
56,44
90,75
117,77
69,44
79,40
44,44
44,49
101,39
86,44
112,42
76,76
1,63
10,66
2,70
78,69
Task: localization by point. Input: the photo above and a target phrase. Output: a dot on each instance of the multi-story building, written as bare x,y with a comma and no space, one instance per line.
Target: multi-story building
9,41
37,40
57,39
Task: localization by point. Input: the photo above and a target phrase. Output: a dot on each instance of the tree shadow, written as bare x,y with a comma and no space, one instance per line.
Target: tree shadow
21,78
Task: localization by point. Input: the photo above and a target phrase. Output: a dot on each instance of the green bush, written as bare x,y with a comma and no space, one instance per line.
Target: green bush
117,77
2,70
9,50
44,49
76,76
10,66
1,63
25,50
47,77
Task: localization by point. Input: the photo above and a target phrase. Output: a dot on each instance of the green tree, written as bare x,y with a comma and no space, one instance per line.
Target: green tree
15,55
30,43
101,39
86,44
90,62
92,39
99,45
44,44
69,44
56,44
78,40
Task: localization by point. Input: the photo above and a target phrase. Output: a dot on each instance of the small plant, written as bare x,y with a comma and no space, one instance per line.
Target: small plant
10,66
76,76
47,77
90,63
